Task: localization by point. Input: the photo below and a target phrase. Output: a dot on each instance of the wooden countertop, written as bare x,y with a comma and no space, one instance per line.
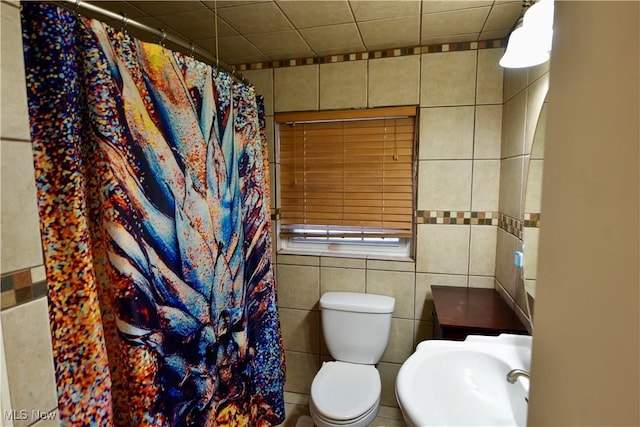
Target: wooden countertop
479,311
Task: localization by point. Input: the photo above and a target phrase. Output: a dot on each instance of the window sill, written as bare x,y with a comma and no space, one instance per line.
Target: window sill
336,254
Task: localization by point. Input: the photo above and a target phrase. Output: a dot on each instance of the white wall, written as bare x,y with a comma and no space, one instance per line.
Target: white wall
586,357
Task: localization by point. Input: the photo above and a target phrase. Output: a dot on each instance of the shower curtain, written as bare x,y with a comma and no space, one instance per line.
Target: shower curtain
153,197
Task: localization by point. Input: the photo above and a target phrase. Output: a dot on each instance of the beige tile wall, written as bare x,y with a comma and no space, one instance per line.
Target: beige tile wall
29,359
449,78
525,91
5,393
301,282
394,81
26,340
447,133
21,247
532,202
341,85
460,99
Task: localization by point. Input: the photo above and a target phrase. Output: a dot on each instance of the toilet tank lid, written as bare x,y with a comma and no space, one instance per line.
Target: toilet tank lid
358,302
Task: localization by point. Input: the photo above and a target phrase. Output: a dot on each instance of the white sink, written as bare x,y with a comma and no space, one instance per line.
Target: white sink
463,383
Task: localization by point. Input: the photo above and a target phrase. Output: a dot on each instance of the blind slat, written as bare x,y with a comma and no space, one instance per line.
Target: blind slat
375,235
363,196
346,114
353,173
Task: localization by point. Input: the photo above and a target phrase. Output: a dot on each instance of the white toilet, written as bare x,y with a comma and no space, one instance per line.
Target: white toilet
356,330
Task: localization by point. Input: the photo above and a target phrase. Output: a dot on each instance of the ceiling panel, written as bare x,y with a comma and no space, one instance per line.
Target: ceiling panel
262,30
121,7
493,35
390,33
456,22
503,16
212,4
371,10
432,6
460,38
198,24
256,18
158,8
281,45
235,48
334,39
142,35
307,14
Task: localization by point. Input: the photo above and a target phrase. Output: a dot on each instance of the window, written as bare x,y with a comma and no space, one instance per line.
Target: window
346,179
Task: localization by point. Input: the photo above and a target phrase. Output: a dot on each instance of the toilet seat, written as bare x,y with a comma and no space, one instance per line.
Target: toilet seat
363,420
344,393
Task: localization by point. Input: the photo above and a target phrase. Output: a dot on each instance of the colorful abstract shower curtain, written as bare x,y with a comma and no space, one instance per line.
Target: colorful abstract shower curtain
153,198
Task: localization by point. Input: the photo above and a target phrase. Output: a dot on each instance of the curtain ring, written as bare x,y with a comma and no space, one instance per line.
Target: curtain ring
75,9
125,21
193,48
164,36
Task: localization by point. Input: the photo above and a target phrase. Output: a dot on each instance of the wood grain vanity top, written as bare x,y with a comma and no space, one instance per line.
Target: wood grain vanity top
477,311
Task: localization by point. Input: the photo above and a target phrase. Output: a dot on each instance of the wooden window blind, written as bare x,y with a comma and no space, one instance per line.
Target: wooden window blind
349,170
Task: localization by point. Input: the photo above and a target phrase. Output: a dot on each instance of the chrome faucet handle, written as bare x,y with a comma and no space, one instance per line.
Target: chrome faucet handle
513,375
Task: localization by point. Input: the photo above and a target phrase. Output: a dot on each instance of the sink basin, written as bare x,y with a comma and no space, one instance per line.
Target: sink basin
463,383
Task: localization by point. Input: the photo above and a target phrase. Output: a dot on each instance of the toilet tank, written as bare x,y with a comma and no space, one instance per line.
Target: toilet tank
356,326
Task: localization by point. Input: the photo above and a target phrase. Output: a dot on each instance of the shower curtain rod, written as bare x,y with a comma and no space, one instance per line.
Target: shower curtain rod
76,5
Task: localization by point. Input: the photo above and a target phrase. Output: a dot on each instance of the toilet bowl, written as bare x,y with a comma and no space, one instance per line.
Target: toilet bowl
345,394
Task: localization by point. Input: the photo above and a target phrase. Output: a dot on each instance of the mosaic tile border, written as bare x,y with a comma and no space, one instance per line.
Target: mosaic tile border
511,225
457,217
444,217
532,220
22,286
377,54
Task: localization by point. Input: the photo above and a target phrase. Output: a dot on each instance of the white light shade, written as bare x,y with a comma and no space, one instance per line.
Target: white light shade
538,20
523,50
540,15
530,43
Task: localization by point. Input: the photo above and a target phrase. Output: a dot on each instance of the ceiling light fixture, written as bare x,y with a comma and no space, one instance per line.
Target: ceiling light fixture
530,43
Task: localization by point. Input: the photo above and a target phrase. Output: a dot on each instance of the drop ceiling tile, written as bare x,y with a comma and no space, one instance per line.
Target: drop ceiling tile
120,7
442,24
458,38
247,59
116,8
501,2
367,10
493,35
306,14
233,50
334,39
256,18
432,6
150,22
197,25
139,34
503,16
382,24
157,8
281,45
390,33
230,3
